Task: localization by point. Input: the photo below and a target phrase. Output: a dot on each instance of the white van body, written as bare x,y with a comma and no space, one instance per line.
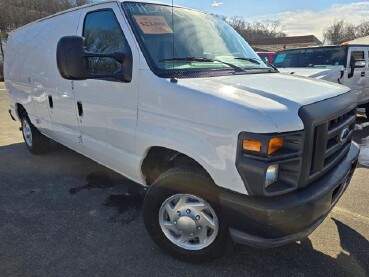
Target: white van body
339,74
201,118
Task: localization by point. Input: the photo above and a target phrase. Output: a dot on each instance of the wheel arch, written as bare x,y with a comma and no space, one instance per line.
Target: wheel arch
159,159
19,109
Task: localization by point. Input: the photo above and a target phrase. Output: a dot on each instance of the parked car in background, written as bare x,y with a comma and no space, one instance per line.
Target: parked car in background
225,146
346,64
266,56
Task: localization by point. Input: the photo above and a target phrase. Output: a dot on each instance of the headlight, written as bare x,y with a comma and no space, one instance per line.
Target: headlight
270,164
271,175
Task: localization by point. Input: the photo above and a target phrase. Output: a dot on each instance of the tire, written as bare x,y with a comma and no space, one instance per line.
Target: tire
197,187
36,142
367,111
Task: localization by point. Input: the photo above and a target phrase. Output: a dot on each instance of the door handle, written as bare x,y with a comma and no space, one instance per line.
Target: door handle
51,102
363,74
80,108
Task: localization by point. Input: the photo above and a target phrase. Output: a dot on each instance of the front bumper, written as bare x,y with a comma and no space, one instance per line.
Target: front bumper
274,221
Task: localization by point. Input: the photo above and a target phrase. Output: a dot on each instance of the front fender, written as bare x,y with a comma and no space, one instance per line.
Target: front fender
213,148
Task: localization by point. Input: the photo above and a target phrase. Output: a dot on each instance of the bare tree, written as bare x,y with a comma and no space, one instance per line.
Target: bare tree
238,23
264,29
254,30
339,32
362,30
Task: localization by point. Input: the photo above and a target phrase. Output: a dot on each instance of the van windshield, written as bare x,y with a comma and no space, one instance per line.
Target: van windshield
312,57
189,42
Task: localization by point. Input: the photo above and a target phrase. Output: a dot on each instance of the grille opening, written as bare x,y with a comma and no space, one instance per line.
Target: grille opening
328,161
339,120
332,142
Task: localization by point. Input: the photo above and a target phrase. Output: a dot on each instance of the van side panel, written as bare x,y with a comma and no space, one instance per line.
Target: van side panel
16,67
32,74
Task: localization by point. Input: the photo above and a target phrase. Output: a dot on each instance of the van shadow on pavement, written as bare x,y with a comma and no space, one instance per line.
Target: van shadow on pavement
127,205
301,259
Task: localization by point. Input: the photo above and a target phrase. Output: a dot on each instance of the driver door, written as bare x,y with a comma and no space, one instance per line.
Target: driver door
107,109
357,80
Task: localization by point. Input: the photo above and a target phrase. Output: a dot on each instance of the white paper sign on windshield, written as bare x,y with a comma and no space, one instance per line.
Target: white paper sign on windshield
153,25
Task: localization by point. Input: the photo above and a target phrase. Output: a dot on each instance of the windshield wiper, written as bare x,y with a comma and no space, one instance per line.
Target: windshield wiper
248,59
272,66
204,60
256,62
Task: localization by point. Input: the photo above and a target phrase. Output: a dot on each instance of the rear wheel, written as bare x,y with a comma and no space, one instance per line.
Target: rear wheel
183,216
36,142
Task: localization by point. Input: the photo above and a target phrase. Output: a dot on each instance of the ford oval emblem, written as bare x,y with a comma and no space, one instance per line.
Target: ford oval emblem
344,134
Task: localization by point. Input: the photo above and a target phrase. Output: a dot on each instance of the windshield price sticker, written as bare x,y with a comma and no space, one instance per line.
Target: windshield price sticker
153,25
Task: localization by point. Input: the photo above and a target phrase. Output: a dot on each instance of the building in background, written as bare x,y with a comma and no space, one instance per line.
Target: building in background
275,44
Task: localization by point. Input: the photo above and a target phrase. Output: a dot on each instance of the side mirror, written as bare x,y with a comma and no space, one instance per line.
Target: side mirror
355,64
74,62
360,64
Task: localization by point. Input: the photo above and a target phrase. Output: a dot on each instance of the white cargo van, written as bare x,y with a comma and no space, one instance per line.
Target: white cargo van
346,64
174,99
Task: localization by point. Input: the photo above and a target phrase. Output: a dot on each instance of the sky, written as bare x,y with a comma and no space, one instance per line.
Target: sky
297,17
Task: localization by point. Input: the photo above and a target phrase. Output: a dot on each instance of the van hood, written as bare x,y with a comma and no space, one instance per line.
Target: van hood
328,73
278,96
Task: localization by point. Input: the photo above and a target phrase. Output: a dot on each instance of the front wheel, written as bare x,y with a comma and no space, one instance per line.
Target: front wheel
183,216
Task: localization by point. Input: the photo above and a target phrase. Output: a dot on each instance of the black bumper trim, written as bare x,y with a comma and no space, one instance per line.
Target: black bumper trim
273,221
255,241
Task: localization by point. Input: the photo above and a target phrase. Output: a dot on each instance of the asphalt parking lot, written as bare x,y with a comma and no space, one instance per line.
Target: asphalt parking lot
62,214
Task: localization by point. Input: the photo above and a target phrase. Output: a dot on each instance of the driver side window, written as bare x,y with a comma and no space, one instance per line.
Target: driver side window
103,35
357,55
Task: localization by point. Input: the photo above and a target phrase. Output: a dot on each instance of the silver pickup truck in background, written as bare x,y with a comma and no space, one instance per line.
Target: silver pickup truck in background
346,64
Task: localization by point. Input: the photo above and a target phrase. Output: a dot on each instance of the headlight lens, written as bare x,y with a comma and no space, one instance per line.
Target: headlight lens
271,175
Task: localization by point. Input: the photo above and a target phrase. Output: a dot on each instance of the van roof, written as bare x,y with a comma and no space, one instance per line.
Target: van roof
89,5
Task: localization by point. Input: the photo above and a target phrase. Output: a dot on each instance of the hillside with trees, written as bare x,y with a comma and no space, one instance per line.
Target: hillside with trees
16,13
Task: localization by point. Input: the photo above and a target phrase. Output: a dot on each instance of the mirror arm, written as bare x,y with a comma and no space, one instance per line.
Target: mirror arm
119,57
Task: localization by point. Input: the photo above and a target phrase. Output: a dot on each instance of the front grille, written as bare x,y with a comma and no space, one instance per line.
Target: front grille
332,140
329,127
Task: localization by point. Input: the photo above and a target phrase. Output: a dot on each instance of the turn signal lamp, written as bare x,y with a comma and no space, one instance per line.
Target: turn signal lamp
274,145
345,43
252,145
